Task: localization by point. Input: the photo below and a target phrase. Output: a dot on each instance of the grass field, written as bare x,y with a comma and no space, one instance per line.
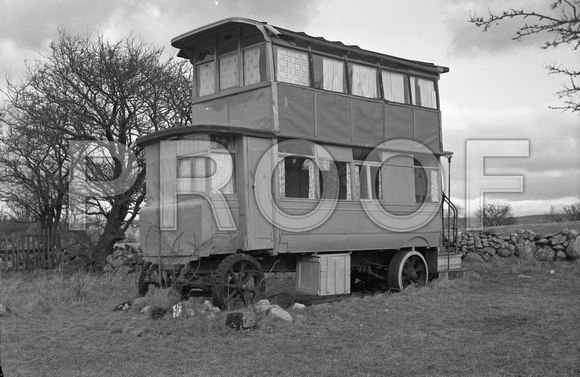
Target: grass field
509,318
539,228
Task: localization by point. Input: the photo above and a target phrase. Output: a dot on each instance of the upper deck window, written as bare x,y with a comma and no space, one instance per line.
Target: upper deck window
205,69
229,71
329,74
363,80
292,66
254,65
230,59
423,92
395,86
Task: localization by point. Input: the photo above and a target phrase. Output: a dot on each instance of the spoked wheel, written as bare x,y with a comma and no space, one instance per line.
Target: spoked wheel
407,268
238,281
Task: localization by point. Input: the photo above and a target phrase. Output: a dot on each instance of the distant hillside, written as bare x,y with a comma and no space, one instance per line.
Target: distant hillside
520,221
531,219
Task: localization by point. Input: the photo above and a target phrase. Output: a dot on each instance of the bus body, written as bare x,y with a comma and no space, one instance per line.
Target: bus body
298,146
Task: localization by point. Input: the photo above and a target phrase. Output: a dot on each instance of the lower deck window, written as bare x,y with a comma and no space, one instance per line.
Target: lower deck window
369,181
298,179
335,183
211,167
400,179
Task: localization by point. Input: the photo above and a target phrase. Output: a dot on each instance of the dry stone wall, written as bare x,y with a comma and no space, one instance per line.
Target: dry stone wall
525,244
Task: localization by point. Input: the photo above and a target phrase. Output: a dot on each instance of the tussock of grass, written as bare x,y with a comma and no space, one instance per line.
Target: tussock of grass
162,298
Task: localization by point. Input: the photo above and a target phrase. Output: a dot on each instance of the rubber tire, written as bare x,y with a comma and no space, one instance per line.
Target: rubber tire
395,273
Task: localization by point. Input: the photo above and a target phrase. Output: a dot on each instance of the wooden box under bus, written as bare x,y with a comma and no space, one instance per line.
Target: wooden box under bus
323,275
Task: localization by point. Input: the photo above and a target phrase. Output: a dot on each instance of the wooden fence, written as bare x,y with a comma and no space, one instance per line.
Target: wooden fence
25,251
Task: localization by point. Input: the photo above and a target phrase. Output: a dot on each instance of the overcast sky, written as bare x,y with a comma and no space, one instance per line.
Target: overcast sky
497,89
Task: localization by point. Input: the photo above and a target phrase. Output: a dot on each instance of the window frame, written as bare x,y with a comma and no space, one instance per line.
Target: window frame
350,65
413,92
241,46
322,56
214,148
277,50
406,84
374,171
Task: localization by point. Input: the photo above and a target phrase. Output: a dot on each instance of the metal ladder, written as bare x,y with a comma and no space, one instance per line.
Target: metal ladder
450,228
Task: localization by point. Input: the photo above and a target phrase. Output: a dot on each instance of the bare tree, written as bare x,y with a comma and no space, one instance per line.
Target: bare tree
553,215
496,214
571,212
33,167
566,213
92,89
563,23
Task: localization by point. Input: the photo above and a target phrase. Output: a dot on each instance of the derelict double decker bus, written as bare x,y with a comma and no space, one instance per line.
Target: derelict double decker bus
303,155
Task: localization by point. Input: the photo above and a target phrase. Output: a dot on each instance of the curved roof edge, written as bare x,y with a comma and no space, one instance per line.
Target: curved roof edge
182,40
176,132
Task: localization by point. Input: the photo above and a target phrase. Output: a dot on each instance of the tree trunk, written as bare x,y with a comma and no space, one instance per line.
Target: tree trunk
110,235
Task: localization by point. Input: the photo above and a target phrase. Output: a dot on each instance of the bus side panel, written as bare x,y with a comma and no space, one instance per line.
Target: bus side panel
350,228
260,232
336,118
251,109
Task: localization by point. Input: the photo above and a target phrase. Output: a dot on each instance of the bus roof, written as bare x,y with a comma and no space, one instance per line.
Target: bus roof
184,40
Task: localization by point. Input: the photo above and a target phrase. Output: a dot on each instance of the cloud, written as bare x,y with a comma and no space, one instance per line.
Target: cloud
468,39
29,23
26,27
550,172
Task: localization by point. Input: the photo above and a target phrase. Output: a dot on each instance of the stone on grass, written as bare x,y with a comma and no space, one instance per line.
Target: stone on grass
245,320
545,253
573,234
190,312
122,307
557,239
279,313
208,305
483,254
528,252
573,249
504,252
5,311
489,250
116,263
262,306
139,303
146,309
298,305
